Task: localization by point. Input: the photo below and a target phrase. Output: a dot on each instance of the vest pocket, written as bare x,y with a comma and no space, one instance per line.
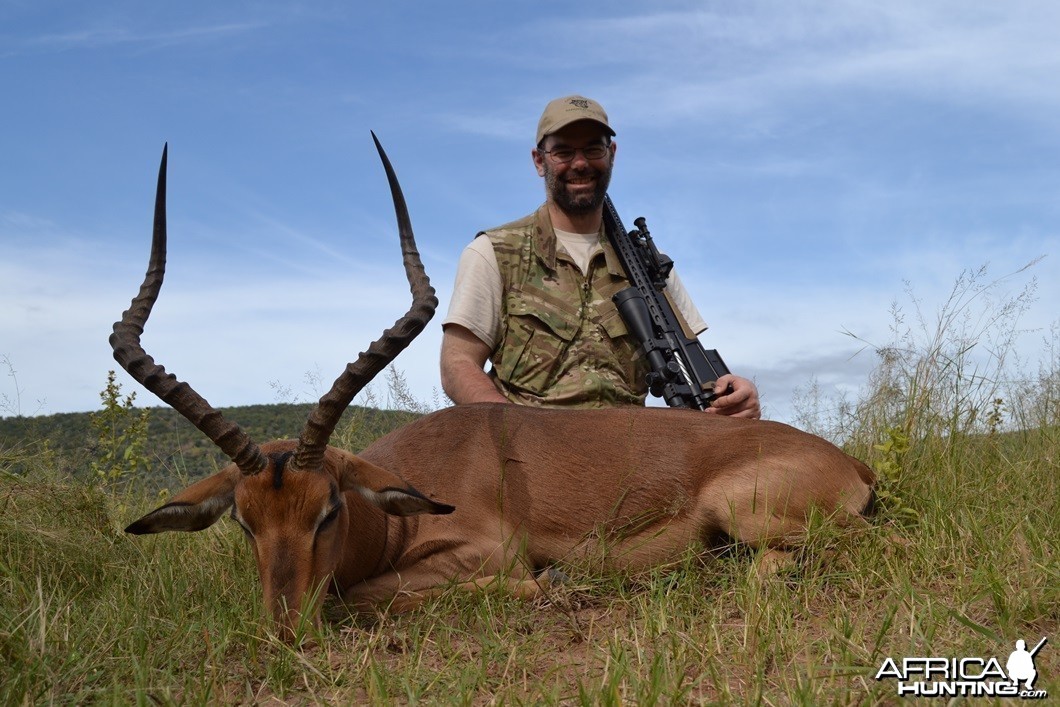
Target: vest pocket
536,337
626,355
611,321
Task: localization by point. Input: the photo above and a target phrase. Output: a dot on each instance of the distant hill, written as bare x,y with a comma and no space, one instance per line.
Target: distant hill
175,446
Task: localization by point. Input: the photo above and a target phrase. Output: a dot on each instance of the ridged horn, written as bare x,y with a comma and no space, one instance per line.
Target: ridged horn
128,352
322,420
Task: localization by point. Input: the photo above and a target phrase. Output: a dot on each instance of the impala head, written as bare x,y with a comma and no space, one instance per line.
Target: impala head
288,496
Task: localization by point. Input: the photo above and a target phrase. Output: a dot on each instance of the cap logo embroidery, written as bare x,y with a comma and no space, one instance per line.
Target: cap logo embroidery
581,103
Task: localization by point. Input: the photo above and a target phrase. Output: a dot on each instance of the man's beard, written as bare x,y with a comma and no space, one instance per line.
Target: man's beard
581,203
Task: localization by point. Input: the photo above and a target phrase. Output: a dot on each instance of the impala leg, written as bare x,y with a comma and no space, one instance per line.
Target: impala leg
469,566
408,599
773,561
772,510
395,591
525,589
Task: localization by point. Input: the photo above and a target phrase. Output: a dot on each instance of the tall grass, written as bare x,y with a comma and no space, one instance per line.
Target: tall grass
960,562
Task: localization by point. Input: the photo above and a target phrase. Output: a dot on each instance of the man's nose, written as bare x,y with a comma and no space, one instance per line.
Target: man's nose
579,159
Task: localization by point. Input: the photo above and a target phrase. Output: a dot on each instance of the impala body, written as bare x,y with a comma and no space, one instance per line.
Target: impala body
632,487
529,487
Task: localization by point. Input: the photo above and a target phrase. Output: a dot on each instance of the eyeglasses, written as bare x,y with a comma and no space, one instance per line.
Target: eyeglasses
566,154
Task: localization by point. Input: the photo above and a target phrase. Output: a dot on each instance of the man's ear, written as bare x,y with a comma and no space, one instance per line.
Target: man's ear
539,161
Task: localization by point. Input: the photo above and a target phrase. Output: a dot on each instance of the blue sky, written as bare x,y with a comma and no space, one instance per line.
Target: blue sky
801,162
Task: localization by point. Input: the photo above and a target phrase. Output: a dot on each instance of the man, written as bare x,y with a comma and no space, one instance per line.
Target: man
534,296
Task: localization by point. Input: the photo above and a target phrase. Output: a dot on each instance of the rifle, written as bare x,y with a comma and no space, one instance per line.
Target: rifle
682,371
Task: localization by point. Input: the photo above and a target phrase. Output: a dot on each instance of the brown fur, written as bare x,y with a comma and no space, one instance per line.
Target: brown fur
532,487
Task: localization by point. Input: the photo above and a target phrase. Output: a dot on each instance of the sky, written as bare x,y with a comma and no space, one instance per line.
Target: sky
805,164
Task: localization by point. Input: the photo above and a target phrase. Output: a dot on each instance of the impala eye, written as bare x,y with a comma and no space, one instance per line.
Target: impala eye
329,518
242,525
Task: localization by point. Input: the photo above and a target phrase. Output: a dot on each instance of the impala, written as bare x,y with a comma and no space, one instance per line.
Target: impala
531,487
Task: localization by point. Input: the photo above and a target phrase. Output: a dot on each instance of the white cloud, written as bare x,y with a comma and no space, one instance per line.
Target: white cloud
707,65
100,37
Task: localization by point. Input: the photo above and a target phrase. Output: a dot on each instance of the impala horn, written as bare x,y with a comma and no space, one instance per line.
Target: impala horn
228,436
322,420
128,352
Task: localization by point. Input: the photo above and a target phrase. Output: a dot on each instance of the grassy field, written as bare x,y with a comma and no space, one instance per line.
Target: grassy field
965,569
959,562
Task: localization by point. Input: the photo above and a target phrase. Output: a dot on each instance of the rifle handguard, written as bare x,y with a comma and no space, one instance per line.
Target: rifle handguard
682,371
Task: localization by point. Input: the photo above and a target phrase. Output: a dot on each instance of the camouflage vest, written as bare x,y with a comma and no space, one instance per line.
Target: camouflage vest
562,342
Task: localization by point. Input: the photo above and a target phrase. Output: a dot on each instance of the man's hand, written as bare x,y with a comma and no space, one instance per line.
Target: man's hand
741,402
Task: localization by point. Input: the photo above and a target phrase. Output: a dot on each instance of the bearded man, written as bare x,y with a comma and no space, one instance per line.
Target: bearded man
533,296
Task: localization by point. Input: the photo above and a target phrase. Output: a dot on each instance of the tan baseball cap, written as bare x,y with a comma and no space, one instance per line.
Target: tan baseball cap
569,109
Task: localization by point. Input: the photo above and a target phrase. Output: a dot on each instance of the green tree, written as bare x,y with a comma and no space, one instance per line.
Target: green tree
121,431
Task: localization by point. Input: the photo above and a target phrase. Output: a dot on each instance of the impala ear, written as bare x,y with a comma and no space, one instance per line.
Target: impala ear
387,491
195,508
